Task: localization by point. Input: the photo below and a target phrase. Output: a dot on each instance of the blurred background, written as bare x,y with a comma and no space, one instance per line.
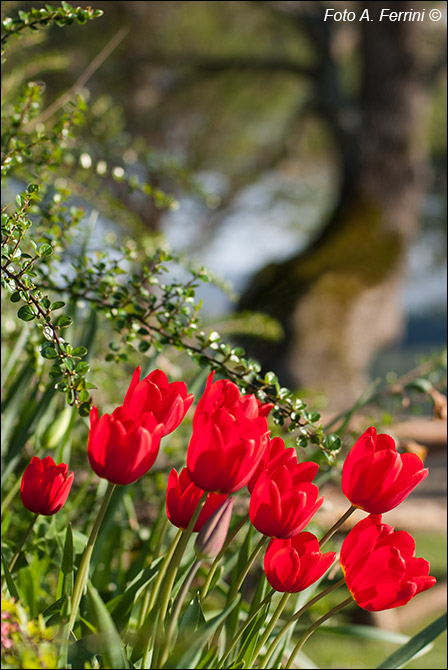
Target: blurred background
308,162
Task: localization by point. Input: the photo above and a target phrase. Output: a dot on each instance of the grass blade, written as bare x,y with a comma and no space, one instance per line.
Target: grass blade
411,648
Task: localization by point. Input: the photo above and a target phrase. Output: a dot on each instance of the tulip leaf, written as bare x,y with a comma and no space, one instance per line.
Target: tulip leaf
416,644
192,618
120,607
9,580
110,640
65,581
251,636
188,657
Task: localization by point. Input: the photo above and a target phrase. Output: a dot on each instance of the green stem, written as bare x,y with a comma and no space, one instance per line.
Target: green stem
11,495
245,626
164,595
215,563
19,548
294,618
151,594
83,570
337,525
251,560
312,628
179,602
270,627
233,590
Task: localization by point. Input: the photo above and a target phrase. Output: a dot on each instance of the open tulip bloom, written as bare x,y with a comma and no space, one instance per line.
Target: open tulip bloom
380,567
284,501
375,477
168,402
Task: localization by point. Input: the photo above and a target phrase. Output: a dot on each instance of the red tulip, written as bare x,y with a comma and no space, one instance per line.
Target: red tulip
121,449
283,501
230,434
168,402
275,455
293,564
375,477
224,394
380,567
45,486
182,498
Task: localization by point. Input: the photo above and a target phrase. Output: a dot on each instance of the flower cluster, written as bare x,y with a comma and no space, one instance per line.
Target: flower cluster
123,445
231,448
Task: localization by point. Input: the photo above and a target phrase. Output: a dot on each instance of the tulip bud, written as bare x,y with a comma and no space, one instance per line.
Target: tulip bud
213,533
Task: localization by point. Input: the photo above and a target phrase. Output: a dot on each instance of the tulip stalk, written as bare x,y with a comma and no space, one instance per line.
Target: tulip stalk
151,594
214,566
294,618
337,525
314,627
270,627
251,560
246,625
20,547
161,605
83,570
237,585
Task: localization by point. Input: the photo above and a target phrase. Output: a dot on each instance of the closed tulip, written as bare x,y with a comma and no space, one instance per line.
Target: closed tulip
230,435
293,564
45,486
182,498
375,477
120,448
213,534
380,567
168,402
284,501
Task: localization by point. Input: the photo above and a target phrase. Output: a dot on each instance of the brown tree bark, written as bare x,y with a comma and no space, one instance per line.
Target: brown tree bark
339,301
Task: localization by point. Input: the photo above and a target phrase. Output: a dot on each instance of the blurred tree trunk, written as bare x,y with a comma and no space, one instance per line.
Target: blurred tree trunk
339,300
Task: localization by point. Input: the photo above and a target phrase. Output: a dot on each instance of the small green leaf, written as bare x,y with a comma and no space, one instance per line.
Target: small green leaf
48,352
79,351
45,250
64,321
26,313
82,368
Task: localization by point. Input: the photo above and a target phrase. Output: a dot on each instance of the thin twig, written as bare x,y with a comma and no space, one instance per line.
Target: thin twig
81,81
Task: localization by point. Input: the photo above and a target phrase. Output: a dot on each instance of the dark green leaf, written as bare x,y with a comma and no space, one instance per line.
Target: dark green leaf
79,351
64,321
26,313
9,581
65,581
110,640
